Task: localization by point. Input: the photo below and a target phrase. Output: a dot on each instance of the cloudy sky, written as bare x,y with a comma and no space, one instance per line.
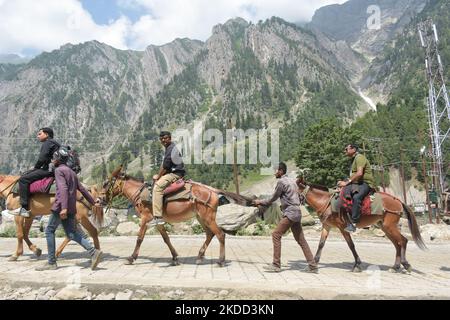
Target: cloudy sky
28,27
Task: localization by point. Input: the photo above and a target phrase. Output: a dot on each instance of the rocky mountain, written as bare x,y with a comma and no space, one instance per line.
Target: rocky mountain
99,98
12,59
257,75
356,22
110,104
400,67
90,93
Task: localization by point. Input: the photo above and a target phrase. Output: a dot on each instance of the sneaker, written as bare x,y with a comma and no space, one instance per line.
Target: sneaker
156,221
47,266
21,212
311,269
350,227
272,268
95,260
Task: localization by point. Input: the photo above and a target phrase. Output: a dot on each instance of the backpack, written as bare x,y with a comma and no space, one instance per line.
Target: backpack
74,160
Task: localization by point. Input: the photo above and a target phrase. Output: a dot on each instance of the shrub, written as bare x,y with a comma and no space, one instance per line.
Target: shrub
197,229
9,232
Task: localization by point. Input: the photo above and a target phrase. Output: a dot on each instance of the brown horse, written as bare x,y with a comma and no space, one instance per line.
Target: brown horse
40,204
203,206
319,199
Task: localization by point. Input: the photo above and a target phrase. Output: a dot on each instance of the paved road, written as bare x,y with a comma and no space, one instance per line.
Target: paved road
245,258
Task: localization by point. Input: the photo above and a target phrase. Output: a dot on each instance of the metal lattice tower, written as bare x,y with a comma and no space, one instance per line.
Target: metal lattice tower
438,101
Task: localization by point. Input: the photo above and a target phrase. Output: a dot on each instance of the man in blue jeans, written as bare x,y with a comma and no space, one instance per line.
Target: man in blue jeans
64,211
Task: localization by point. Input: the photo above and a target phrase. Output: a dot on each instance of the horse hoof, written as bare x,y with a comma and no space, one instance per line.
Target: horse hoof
175,262
357,269
408,270
129,261
38,252
13,258
199,261
394,270
221,264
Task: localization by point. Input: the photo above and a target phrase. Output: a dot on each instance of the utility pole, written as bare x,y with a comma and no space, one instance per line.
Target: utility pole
380,150
438,100
425,178
402,175
235,167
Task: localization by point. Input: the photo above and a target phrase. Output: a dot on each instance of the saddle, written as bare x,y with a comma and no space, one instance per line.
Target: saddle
180,189
371,205
46,185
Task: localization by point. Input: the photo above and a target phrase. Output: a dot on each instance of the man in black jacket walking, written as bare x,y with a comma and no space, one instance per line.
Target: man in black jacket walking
40,171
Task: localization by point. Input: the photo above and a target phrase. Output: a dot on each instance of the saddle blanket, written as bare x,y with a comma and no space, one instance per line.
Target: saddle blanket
371,205
183,192
46,185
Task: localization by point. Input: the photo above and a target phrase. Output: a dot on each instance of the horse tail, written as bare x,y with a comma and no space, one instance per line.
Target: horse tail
236,198
226,197
414,228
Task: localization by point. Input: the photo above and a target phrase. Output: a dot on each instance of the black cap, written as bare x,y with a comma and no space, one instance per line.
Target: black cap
48,131
282,166
165,133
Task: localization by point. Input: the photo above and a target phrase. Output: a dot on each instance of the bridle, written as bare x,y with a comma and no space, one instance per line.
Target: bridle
111,184
121,185
302,196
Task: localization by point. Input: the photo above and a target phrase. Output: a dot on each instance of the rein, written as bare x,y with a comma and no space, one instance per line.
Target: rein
135,196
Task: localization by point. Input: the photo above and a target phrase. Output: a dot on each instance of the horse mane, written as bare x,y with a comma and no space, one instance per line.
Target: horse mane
128,177
317,186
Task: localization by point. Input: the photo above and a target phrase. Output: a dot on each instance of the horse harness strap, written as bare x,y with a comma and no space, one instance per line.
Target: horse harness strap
204,202
397,213
325,206
136,196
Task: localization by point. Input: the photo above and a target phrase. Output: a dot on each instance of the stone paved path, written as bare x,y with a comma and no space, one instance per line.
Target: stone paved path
245,258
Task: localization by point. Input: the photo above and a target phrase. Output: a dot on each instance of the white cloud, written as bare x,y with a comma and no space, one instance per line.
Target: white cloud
48,24
169,19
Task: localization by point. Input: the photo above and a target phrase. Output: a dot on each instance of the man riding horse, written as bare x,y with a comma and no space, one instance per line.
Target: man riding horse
40,171
359,185
171,170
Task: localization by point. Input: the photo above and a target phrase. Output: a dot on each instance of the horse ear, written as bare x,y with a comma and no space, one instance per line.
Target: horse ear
116,172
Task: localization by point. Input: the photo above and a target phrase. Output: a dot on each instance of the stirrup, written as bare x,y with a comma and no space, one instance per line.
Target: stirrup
350,227
156,222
